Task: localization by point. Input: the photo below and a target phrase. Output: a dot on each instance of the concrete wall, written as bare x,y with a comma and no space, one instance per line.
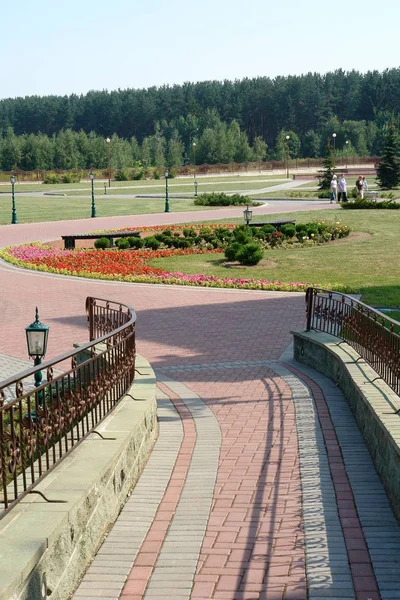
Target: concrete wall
46,548
373,403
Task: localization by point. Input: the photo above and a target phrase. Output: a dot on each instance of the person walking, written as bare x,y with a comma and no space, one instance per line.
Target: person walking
359,185
364,187
342,189
333,188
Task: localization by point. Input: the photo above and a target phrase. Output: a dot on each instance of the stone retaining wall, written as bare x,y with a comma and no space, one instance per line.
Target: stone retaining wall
373,403
46,548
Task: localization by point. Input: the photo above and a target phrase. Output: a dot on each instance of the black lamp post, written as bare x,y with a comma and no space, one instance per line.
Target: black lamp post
195,189
247,215
91,175
108,142
334,147
287,156
14,220
36,337
166,191
347,153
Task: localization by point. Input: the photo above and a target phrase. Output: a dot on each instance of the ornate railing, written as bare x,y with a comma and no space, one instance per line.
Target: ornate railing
373,335
39,426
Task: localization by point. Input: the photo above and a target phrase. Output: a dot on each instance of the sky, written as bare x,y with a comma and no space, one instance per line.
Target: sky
74,46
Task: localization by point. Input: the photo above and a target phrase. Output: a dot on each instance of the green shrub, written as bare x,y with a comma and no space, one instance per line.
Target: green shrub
183,243
222,233
241,234
102,243
122,244
152,243
156,173
370,205
135,242
122,175
71,178
232,250
268,229
250,254
51,178
189,232
177,234
137,174
221,199
288,230
324,194
167,232
258,233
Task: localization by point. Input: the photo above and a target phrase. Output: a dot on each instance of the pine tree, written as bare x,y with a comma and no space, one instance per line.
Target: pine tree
388,173
328,169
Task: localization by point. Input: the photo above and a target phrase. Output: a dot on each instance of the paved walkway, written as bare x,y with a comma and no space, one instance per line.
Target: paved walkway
259,486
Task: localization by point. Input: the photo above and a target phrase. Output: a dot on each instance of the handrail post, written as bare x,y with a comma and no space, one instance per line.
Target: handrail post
309,303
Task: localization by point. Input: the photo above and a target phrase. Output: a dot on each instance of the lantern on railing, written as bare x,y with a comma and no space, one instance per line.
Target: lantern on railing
36,338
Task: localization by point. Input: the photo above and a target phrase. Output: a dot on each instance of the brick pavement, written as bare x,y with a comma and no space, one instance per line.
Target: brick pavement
295,509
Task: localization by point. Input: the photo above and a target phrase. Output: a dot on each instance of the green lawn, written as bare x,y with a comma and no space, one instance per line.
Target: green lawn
33,209
365,263
85,185
179,187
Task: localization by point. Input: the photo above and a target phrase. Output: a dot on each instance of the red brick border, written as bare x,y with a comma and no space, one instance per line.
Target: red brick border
361,567
140,574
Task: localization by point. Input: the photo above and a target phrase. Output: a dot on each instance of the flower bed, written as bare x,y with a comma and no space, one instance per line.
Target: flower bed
176,240
129,266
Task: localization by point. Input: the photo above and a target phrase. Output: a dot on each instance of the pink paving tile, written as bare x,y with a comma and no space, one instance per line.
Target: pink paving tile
135,586
202,589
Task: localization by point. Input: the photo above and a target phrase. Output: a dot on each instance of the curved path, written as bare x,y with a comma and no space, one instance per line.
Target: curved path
259,487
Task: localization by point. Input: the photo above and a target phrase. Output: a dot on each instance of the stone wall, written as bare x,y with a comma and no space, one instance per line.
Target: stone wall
373,403
46,548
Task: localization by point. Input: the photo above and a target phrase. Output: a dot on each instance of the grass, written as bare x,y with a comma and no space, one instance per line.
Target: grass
85,184
180,188
34,209
365,263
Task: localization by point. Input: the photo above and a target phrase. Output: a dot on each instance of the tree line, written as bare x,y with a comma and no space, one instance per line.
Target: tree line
228,121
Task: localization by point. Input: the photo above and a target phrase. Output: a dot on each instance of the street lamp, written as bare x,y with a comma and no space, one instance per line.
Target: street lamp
194,159
166,191
195,189
108,142
347,152
287,156
247,215
14,211
91,175
36,337
334,143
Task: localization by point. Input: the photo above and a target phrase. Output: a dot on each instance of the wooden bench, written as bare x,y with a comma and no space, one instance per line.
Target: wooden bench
372,195
69,240
278,223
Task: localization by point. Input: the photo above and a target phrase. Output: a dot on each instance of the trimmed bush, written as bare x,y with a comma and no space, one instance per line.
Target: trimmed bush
151,243
232,250
102,243
268,229
122,244
288,230
250,254
189,232
370,205
221,199
135,242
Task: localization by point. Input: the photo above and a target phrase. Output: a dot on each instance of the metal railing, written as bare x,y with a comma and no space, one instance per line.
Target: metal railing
41,425
373,335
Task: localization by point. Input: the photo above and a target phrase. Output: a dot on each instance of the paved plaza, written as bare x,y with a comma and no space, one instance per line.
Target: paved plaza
259,486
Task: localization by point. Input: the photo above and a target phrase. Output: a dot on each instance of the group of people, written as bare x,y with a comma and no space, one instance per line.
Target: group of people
338,188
